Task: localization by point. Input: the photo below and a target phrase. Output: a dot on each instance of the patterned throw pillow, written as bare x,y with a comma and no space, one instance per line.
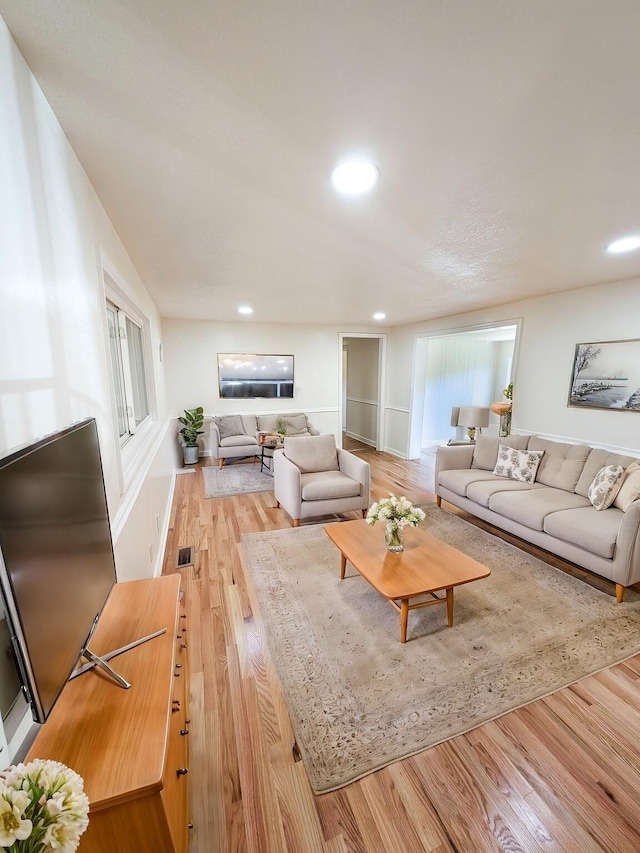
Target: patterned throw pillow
605,486
517,464
229,425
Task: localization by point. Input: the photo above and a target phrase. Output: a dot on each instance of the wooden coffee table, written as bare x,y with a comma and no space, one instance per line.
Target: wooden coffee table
426,566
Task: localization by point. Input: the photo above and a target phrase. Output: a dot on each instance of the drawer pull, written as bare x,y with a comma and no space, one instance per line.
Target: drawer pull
187,722
178,666
184,732
182,771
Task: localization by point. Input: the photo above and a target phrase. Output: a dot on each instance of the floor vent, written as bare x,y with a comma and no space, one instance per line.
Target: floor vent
185,557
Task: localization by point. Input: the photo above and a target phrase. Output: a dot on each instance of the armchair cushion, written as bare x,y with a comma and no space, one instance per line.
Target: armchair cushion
312,453
229,425
327,485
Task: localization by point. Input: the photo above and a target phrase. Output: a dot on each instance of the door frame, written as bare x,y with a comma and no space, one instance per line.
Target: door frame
382,354
418,384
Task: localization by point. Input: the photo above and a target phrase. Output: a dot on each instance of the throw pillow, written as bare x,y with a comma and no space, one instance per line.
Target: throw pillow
630,487
296,425
517,464
229,425
485,452
605,486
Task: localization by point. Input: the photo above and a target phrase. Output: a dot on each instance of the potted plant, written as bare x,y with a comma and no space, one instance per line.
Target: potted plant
192,420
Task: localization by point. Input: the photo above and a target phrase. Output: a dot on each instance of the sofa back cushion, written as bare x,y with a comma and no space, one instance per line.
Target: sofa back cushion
312,453
250,424
596,460
296,423
485,452
562,464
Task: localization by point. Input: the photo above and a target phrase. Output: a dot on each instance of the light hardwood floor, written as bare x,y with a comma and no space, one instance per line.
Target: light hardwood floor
561,774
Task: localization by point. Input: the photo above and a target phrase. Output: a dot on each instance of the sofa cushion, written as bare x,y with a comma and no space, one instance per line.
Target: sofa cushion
485,452
561,464
532,506
517,464
586,527
312,453
606,485
481,491
238,441
630,488
327,485
458,480
596,460
229,425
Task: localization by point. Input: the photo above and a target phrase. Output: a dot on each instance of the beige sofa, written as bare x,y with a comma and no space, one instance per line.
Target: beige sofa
236,436
554,511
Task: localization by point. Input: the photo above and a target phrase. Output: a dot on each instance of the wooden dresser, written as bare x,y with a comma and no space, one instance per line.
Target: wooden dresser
130,746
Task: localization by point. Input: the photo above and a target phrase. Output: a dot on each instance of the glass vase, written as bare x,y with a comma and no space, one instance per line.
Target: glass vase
393,537
505,423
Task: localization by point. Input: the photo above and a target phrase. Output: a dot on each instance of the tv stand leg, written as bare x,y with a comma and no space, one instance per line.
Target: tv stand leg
96,660
101,660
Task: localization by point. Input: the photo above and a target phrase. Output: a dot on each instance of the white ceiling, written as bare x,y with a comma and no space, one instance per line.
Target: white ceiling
507,135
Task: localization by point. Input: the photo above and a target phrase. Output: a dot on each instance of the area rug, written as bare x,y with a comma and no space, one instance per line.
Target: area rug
235,480
359,699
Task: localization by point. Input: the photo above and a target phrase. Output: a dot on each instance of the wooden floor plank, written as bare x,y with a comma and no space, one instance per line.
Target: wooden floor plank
562,774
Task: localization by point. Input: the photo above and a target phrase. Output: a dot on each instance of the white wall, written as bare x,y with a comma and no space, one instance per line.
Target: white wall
191,350
551,327
53,364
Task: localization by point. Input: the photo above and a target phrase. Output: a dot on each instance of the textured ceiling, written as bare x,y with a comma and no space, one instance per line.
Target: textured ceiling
506,133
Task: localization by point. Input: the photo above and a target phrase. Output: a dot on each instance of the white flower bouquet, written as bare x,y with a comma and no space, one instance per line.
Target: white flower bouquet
43,808
398,511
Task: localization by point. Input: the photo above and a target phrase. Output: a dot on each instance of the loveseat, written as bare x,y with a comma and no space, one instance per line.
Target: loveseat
553,506
237,436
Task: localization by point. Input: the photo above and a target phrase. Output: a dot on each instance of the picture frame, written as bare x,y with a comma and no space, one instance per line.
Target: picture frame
247,375
606,375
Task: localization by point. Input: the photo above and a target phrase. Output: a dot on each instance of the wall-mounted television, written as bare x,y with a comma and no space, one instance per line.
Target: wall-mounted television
56,556
251,375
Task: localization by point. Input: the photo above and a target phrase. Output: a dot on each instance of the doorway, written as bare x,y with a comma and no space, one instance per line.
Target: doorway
361,388
460,367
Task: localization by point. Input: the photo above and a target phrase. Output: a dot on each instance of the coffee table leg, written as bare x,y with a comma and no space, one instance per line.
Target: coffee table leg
404,618
450,606
343,566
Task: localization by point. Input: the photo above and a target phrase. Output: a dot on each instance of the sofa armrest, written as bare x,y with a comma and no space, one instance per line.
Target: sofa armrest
214,435
357,469
626,559
286,484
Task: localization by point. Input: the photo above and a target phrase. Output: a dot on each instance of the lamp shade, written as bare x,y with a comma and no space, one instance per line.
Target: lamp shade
473,416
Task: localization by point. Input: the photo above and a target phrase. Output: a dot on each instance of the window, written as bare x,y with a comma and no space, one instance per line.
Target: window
126,351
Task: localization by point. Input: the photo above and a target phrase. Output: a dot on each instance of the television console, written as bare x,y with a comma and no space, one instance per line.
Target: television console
130,746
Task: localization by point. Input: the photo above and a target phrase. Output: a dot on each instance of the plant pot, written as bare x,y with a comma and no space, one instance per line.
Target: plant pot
190,455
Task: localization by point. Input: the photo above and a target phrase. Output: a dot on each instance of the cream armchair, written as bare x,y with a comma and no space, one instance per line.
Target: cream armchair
313,477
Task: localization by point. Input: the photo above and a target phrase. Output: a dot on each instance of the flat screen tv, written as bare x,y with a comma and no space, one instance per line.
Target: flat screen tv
56,556
251,375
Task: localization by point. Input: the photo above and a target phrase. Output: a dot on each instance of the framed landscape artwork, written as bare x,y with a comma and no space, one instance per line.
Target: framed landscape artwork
606,375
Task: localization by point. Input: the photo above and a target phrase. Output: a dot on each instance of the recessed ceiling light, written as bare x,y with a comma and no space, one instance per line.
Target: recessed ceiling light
245,309
625,244
379,315
354,177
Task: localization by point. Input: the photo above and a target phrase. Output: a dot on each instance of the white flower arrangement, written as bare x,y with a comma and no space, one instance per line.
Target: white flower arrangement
43,808
398,512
